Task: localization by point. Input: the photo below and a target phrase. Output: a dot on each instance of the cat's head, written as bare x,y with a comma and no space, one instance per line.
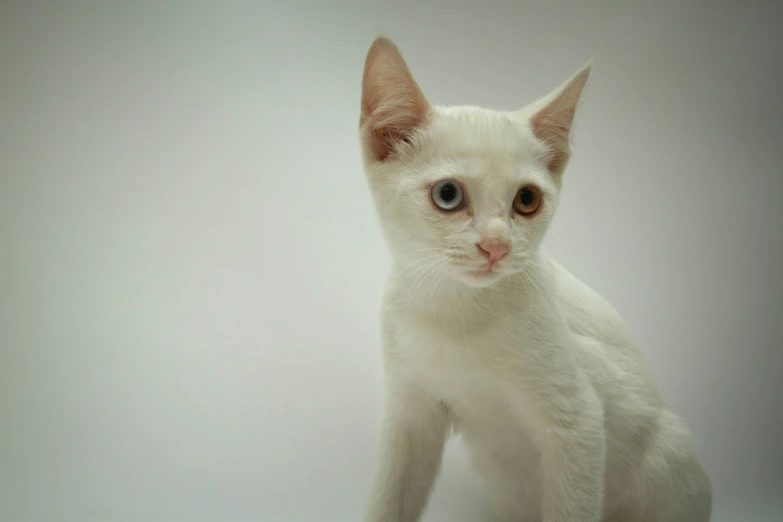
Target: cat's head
462,189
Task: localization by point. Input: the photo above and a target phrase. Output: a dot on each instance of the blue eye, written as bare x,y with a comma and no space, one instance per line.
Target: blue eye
447,196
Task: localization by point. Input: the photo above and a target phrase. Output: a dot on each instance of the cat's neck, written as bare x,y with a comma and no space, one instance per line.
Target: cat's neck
443,298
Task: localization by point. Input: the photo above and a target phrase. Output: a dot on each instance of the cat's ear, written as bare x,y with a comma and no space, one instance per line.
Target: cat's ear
554,116
393,105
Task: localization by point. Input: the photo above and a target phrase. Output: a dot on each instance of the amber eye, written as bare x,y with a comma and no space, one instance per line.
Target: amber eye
527,200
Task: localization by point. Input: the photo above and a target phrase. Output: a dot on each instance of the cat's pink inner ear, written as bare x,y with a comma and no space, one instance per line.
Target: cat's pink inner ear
552,124
393,105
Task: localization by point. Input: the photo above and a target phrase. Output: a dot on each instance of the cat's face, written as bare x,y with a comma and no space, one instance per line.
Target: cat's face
473,196
462,190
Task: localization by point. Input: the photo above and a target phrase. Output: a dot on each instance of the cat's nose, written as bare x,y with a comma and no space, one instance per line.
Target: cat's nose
494,250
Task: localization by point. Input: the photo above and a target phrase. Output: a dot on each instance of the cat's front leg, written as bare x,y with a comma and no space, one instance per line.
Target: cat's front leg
411,450
572,443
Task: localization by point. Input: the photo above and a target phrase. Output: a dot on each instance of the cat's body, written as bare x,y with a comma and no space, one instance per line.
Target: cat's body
457,351
485,334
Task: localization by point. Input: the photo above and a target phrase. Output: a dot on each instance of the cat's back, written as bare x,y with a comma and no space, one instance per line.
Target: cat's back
611,359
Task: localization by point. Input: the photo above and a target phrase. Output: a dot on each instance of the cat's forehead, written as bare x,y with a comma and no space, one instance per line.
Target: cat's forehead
474,131
484,145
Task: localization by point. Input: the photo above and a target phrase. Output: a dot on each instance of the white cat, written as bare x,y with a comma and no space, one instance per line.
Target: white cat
485,334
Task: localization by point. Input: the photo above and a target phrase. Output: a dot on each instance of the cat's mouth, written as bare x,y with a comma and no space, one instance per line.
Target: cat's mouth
483,273
482,277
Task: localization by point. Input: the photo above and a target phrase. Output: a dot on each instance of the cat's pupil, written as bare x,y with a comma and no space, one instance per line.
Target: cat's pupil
526,197
448,192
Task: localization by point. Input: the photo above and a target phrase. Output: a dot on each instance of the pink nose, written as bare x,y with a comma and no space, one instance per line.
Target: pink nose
493,250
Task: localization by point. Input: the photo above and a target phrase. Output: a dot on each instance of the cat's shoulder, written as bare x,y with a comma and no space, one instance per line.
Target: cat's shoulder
586,311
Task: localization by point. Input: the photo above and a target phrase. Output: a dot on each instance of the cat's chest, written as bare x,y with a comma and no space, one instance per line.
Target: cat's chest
472,374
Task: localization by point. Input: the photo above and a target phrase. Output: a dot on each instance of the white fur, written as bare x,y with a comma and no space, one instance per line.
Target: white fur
531,367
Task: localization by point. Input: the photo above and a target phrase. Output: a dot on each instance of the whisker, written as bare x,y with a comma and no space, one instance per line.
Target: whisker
457,297
432,273
437,282
527,289
543,286
416,251
400,272
423,275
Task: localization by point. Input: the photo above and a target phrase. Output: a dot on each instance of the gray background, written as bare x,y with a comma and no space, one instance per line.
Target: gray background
191,268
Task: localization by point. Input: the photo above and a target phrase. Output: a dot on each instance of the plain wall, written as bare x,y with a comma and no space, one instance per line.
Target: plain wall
191,267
